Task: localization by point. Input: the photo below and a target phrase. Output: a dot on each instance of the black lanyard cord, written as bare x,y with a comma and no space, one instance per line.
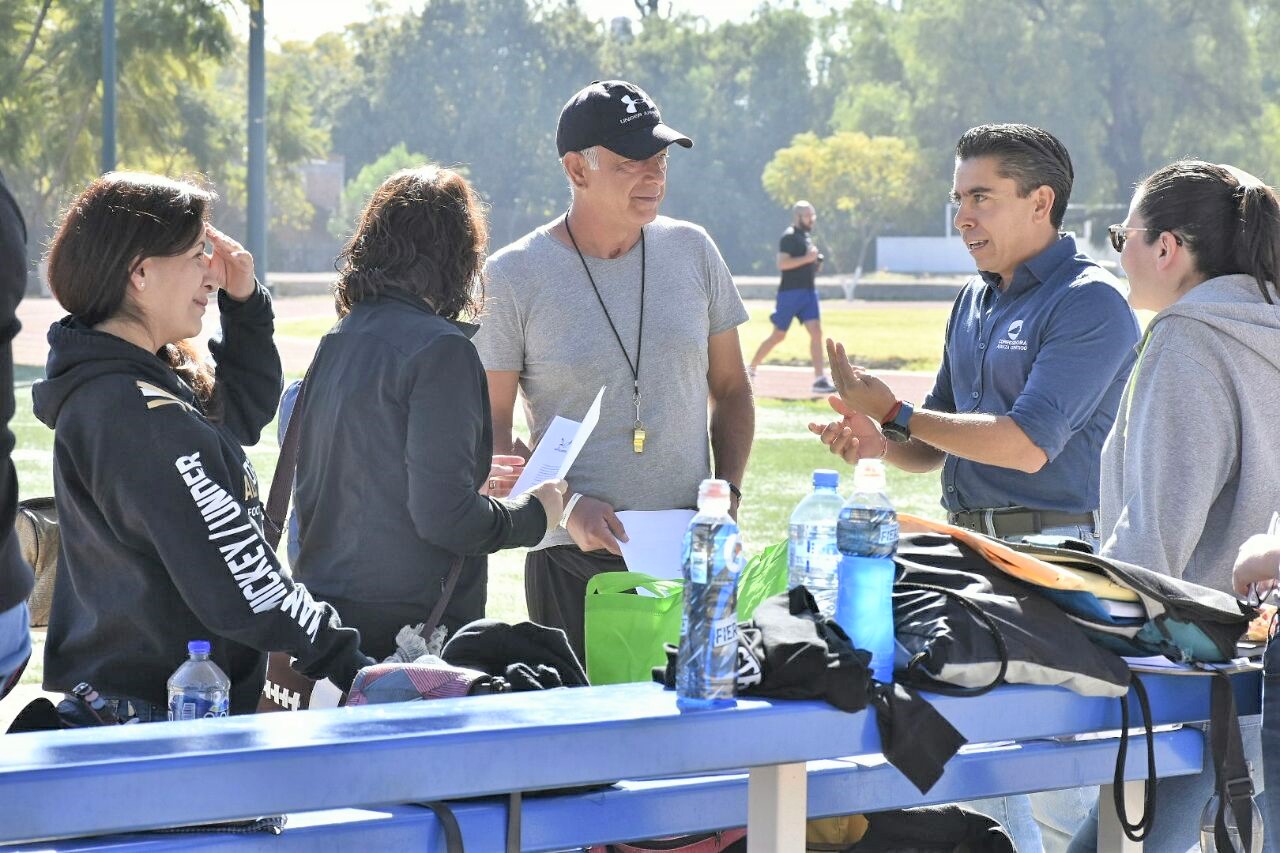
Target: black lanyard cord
635,368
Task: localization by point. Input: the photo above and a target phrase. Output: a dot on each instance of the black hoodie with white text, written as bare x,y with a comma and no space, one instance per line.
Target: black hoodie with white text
161,520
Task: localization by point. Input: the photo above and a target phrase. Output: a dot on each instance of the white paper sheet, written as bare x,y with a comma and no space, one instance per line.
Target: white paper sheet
558,448
1162,664
655,540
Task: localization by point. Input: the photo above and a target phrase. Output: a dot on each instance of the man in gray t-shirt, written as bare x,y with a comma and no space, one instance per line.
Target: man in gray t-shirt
613,295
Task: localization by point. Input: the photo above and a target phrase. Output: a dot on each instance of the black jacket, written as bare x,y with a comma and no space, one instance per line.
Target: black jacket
396,440
15,575
161,521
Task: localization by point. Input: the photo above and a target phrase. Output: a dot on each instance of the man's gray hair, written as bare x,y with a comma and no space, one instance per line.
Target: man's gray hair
800,206
592,156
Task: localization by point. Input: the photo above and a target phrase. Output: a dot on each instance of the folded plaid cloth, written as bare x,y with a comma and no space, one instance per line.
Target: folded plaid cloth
427,678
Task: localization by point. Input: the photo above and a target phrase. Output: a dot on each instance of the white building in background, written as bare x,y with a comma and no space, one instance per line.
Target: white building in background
947,255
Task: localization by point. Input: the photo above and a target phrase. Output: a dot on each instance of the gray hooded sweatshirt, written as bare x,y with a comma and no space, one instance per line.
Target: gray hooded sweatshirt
1192,466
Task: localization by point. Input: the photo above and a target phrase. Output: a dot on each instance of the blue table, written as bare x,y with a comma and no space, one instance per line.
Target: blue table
103,781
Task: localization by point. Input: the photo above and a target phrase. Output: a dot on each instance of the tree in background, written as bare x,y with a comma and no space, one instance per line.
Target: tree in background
1126,86
360,189
482,83
863,183
51,98
741,91
214,141
478,83
180,105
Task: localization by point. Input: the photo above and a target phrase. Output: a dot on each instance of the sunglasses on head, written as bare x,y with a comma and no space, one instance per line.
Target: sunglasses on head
1120,234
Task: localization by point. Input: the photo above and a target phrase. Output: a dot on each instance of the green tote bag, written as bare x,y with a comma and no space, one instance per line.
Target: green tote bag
625,632
764,576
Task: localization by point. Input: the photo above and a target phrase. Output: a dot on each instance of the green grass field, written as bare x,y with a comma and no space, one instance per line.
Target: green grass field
884,337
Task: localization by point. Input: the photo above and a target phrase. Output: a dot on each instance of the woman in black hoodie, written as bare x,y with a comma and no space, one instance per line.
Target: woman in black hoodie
158,505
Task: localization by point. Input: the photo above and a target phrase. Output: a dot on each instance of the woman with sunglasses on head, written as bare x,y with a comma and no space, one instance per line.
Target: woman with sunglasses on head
158,506
1192,465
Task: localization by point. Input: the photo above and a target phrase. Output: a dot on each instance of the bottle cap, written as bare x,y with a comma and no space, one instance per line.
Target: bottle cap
826,478
198,647
714,489
869,476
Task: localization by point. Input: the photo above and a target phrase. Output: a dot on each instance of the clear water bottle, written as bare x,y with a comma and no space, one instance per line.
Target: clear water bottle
707,664
1209,816
198,688
867,537
812,558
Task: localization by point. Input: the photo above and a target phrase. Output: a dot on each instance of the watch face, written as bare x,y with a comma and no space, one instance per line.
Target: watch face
894,432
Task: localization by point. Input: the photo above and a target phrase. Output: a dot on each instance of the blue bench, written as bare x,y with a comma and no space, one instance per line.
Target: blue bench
355,772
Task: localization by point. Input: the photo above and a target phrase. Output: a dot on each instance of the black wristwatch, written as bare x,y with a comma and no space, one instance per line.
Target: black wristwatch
897,426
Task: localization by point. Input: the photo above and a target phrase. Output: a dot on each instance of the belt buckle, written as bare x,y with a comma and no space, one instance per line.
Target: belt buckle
1240,787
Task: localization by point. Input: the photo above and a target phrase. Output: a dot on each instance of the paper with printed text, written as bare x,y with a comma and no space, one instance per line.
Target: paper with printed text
558,448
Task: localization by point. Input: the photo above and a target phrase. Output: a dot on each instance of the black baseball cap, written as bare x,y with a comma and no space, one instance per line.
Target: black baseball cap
619,116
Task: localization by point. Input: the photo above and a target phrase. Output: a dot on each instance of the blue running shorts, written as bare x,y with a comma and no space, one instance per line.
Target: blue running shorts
798,304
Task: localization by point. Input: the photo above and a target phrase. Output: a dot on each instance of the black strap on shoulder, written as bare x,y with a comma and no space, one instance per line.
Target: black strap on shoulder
1232,781
1136,832
446,593
282,481
448,826
1001,649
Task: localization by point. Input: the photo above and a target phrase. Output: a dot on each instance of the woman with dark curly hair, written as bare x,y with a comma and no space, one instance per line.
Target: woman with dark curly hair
158,505
396,439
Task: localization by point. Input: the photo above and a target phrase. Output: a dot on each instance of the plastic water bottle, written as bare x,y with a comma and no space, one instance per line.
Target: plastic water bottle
867,536
1209,816
707,664
812,558
198,688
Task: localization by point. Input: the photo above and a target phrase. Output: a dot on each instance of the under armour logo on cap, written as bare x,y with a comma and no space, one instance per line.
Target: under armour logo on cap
619,116
633,103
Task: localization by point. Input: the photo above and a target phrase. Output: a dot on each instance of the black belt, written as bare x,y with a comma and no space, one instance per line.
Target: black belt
1016,521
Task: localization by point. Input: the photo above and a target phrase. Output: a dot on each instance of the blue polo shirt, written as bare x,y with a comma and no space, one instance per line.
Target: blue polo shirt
1053,352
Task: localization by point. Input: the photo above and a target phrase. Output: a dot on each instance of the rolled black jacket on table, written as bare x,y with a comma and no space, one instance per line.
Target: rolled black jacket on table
161,520
527,655
788,650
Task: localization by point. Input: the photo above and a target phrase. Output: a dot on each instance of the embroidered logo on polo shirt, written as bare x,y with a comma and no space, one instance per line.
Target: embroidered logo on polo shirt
1013,339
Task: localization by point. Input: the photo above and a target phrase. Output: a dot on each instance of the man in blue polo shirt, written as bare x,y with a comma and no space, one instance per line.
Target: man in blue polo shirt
1038,348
